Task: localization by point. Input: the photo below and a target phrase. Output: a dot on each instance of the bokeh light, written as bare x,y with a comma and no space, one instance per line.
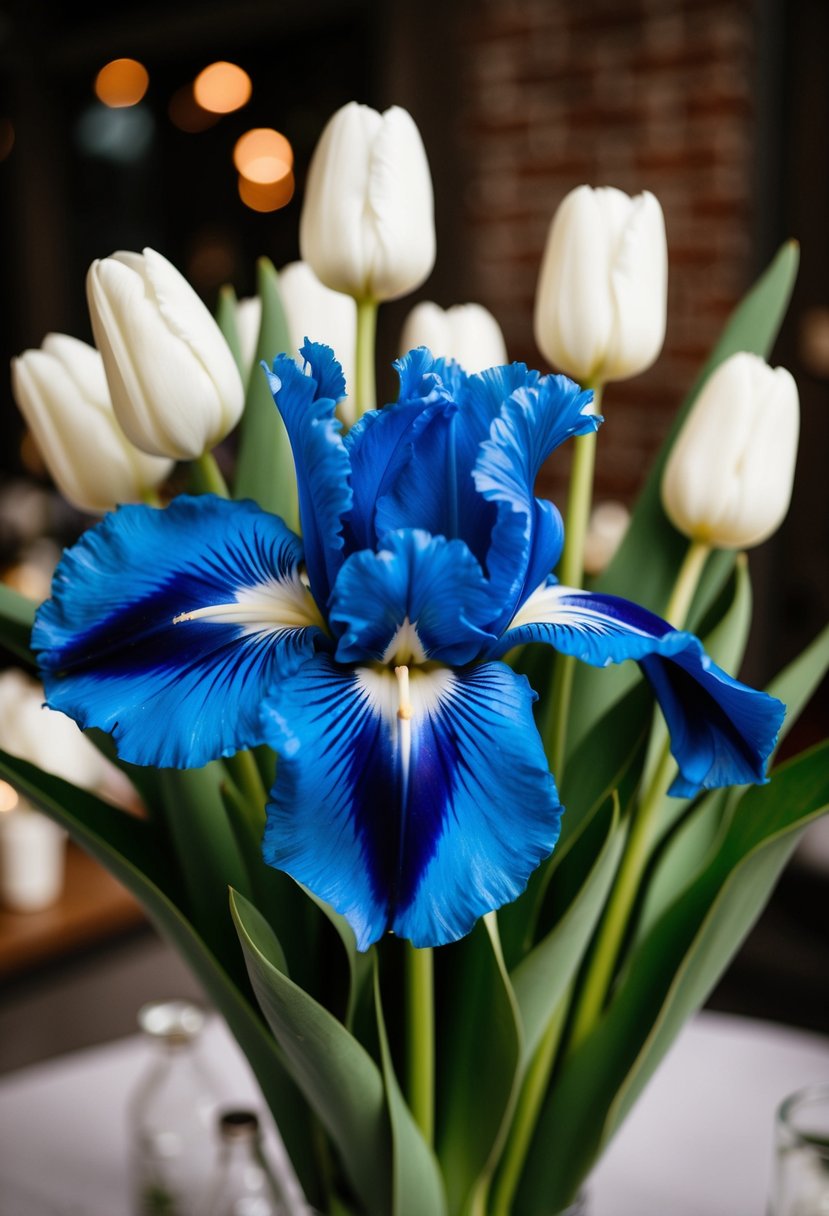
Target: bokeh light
8,797
263,155
222,88
266,196
122,82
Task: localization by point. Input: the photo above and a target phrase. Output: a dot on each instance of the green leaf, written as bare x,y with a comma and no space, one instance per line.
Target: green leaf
668,977
226,320
542,978
417,1186
335,1073
135,852
265,464
480,1053
646,565
17,614
796,684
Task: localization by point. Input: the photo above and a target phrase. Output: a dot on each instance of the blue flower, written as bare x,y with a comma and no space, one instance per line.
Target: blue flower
412,790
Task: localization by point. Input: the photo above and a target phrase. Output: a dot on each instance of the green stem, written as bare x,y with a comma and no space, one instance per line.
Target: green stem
658,771
571,574
248,780
365,394
420,1023
150,497
526,1114
206,476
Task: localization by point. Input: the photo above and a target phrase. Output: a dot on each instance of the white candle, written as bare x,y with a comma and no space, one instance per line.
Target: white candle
32,854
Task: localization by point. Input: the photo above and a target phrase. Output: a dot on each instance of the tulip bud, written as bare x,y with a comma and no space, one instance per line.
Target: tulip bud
315,311
467,333
175,386
728,480
62,392
367,226
602,292
248,324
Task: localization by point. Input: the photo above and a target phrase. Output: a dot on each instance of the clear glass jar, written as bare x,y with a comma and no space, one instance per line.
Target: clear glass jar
801,1174
172,1114
243,1185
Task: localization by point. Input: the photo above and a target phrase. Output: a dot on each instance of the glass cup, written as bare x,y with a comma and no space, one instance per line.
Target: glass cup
801,1173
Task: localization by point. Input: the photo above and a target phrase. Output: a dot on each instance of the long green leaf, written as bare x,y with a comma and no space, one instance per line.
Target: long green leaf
17,614
133,851
480,1054
541,979
264,462
667,978
226,320
337,1076
417,1186
796,684
648,560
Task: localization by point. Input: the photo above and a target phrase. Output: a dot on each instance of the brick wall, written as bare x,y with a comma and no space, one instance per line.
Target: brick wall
639,94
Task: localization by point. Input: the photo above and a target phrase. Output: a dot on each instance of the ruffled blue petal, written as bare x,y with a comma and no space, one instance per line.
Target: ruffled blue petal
420,838
417,598
722,731
166,628
307,404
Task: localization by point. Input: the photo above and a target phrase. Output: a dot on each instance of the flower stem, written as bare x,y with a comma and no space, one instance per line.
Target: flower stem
643,829
571,574
420,1024
365,394
526,1114
206,476
245,773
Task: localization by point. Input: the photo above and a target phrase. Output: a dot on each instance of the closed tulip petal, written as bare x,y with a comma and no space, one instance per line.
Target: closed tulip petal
317,313
467,333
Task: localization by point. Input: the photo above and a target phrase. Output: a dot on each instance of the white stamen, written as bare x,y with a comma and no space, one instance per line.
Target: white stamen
404,729
404,711
285,604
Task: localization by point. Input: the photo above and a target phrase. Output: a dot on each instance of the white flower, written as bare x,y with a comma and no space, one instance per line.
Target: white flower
175,386
728,480
601,300
467,333
248,324
367,225
315,311
62,392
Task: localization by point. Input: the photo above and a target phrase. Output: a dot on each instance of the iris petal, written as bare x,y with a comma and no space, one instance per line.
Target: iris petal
722,731
418,833
307,404
167,627
418,591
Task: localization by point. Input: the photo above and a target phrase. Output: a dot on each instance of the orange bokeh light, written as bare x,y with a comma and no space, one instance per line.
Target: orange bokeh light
122,82
262,155
267,196
222,88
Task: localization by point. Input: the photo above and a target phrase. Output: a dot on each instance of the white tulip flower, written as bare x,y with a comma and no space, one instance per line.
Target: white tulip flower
316,312
367,225
728,479
62,392
601,300
248,324
467,333
175,386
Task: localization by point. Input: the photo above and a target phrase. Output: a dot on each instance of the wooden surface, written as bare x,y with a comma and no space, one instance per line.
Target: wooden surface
93,907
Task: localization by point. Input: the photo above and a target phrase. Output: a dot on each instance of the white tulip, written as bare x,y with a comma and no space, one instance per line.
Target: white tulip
248,324
728,480
467,333
367,225
315,311
175,386
601,300
62,392
42,736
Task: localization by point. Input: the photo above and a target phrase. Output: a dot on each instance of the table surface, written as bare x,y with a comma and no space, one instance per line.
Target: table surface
699,1143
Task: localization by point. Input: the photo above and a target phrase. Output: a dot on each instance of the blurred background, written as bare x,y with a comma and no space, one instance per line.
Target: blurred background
721,109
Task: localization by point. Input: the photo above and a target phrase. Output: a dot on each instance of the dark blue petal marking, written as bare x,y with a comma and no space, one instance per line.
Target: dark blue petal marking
722,731
429,584
174,693
527,538
307,404
423,855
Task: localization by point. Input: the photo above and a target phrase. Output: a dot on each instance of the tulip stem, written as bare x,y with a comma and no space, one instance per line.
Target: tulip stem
571,574
421,1028
686,583
206,476
365,391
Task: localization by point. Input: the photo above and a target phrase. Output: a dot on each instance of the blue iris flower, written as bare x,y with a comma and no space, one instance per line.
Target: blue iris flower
412,791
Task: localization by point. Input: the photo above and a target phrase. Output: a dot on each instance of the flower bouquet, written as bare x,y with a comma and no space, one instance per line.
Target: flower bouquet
358,694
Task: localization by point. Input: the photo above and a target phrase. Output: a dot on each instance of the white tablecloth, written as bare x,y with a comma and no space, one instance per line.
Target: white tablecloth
699,1143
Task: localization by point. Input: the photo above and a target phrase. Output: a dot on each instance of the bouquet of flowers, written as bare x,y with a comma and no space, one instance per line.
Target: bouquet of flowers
357,694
